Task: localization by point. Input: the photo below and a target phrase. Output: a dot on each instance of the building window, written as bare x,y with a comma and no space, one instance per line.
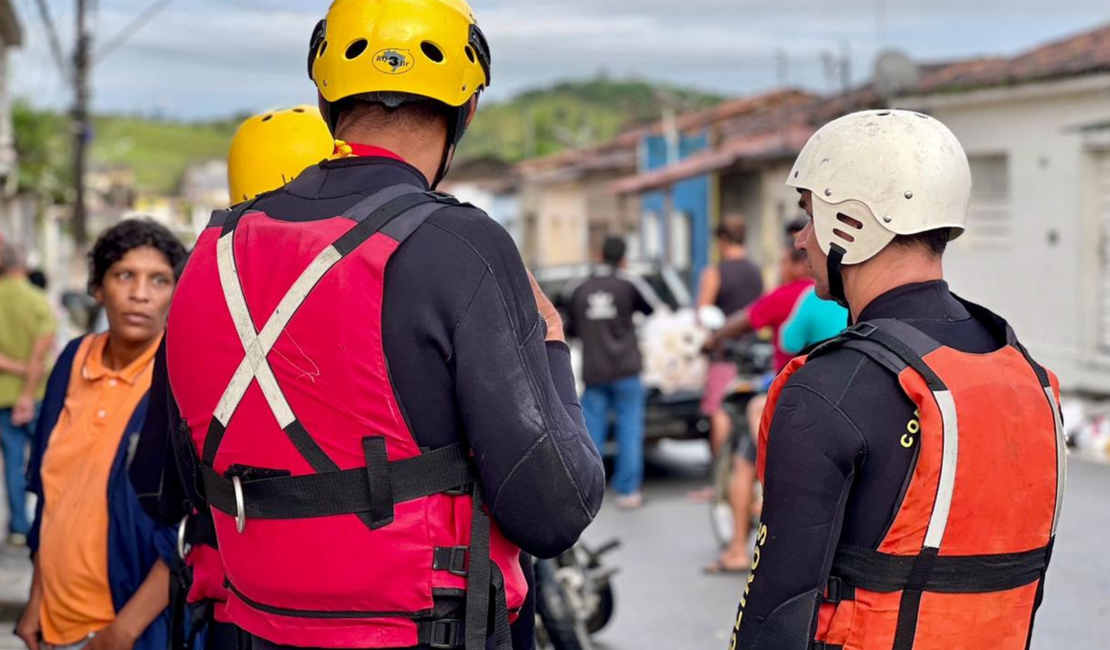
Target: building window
990,219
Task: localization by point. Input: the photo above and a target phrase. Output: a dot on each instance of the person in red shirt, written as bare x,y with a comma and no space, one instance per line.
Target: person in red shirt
772,311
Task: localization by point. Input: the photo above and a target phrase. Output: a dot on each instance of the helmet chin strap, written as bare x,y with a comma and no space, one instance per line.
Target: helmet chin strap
444,166
456,129
836,279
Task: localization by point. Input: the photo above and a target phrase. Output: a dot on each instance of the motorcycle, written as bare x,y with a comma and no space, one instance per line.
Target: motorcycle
754,359
574,597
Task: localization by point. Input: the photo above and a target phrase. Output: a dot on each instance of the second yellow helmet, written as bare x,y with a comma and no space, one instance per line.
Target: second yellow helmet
272,148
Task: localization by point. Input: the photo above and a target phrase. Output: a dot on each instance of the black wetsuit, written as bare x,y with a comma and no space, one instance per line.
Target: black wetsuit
464,340
836,469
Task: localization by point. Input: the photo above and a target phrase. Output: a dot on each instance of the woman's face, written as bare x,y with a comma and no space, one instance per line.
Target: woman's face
136,294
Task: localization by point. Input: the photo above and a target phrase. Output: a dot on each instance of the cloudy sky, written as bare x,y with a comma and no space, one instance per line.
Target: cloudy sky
206,58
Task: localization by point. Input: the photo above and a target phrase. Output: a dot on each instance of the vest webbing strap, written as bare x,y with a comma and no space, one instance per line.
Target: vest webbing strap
875,571
341,492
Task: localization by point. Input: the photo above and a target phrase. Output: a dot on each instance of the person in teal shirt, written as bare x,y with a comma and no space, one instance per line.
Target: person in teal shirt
813,320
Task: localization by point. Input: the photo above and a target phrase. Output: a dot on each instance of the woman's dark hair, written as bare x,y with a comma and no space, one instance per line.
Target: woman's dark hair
126,236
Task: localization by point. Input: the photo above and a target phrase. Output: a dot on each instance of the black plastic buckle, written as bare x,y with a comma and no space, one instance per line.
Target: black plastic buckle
461,491
839,591
457,563
864,329
445,634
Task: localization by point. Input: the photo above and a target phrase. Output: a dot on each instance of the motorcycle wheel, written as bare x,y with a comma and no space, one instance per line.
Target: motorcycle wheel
560,625
720,510
605,608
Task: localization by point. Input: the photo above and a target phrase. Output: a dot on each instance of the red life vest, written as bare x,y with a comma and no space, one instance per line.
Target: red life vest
962,565
335,528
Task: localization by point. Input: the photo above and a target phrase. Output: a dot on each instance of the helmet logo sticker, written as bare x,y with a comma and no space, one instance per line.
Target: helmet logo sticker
393,61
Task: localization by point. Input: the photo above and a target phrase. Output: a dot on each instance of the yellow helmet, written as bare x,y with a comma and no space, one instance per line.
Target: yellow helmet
272,148
386,50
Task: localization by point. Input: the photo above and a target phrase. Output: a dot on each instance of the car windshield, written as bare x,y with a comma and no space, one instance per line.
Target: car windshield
558,282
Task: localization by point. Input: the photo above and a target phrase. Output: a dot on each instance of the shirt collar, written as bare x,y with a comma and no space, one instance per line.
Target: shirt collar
94,368
353,149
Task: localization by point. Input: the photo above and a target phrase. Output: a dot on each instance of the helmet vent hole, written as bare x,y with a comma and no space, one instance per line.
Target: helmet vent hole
843,235
268,117
850,222
432,51
354,50
323,48
470,54
298,110
884,113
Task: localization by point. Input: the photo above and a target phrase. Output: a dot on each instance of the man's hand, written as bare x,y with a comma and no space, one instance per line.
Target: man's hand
117,636
23,411
548,311
29,627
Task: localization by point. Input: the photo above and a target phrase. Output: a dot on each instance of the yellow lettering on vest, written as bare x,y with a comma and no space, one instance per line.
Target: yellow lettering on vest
761,539
913,427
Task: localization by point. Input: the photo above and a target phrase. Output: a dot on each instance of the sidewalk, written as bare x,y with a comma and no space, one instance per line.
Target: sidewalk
15,577
15,584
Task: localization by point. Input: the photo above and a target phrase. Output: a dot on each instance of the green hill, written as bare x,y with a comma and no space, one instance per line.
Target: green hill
545,121
534,123
158,152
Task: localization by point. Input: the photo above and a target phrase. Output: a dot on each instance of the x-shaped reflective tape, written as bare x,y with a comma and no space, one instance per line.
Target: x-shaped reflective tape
257,345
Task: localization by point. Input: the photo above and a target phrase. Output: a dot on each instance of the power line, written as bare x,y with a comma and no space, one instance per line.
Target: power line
52,37
140,21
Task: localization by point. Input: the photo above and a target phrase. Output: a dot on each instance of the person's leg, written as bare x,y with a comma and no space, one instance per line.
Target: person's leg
629,402
755,415
719,377
13,444
595,411
740,497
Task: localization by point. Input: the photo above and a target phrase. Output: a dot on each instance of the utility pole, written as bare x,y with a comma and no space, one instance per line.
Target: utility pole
81,122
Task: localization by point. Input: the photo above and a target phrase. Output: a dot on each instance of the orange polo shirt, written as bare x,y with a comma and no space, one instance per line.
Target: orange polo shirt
73,547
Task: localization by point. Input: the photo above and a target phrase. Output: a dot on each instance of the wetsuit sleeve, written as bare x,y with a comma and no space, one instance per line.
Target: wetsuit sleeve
542,476
153,472
812,452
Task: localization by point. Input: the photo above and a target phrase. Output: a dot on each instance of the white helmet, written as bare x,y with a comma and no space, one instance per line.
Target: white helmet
893,172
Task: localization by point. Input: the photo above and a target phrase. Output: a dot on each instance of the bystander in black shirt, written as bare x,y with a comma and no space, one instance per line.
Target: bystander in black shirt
600,314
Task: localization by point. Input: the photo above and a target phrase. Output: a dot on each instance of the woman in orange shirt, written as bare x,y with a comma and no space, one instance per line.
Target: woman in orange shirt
101,580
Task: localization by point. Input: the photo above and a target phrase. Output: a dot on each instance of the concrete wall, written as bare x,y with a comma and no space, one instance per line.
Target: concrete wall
1043,273
555,223
761,195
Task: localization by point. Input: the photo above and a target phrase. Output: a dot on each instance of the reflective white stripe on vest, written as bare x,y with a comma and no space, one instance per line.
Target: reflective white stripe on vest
256,345
946,487
1061,457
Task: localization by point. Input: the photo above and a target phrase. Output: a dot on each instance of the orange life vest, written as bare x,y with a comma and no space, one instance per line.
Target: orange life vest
962,565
